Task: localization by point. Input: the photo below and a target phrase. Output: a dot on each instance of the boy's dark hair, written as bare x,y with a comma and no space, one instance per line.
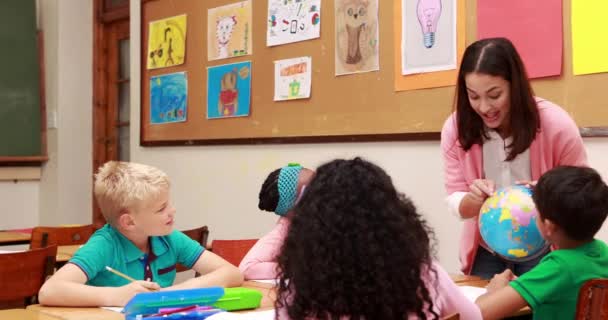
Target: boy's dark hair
269,194
497,57
574,198
355,248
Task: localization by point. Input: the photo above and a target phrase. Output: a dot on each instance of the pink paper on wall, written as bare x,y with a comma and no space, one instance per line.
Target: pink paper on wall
535,27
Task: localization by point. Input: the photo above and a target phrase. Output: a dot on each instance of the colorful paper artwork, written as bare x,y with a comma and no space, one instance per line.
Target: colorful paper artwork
167,42
292,21
229,31
589,46
292,78
428,36
431,79
168,98
357,40
229,90
537,37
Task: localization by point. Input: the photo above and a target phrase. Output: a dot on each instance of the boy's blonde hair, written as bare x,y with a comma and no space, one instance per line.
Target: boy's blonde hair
121,186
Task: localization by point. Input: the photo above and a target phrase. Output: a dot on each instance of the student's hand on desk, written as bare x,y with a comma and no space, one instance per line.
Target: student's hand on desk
500,280
126,292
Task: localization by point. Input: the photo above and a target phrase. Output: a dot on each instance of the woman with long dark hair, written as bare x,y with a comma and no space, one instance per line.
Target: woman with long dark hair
500,134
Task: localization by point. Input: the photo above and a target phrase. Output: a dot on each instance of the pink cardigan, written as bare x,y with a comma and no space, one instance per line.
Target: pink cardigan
446,296
260,261
557,143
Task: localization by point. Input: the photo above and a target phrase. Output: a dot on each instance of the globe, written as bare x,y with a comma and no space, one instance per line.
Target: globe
507,223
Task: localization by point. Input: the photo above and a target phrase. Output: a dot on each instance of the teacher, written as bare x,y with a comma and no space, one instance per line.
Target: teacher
500,134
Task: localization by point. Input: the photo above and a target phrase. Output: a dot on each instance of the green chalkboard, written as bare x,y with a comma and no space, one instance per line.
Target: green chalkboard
20,112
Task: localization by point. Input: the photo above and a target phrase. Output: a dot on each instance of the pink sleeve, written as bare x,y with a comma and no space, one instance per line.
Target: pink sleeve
452,171
260,261
449,298
563,141
572,150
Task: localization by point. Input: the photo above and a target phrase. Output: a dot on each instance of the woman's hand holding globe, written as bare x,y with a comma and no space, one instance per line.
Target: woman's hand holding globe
481,189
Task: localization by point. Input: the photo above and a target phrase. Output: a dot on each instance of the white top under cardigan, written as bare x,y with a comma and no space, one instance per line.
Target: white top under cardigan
503,173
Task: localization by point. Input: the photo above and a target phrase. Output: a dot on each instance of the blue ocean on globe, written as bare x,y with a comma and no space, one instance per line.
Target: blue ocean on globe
507,223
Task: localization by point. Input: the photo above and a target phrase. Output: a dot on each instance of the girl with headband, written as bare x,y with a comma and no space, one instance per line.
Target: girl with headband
280,192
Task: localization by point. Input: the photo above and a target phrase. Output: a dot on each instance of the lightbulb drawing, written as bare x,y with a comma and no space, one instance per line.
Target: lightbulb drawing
428,12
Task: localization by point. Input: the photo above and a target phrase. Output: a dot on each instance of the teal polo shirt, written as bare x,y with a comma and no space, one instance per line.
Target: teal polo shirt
108,247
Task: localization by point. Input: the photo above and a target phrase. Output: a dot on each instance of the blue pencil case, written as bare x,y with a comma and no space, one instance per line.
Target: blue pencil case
148,305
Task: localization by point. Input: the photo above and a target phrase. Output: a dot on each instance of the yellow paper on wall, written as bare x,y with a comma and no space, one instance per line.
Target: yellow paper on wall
589,36
167,42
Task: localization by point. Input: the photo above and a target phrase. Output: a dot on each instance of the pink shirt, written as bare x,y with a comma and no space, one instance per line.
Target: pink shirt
260,262
446,296
557,143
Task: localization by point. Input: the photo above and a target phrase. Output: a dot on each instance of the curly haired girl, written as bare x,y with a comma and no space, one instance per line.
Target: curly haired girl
357,249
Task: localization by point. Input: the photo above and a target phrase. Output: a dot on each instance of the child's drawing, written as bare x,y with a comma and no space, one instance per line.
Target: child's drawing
292,78
223,33
292,21
228,90
429,35
167,42
168,98
229,104
229,31
356,36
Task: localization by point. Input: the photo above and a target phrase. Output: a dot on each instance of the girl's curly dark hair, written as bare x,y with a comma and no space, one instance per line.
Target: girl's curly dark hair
269,193
355,248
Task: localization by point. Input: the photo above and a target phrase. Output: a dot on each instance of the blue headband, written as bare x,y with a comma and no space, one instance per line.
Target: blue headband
288,188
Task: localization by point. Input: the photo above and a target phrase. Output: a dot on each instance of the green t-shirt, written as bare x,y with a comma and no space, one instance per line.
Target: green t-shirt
551,288
108,247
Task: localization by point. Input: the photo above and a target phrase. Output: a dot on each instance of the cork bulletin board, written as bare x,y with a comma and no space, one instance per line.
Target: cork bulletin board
359,107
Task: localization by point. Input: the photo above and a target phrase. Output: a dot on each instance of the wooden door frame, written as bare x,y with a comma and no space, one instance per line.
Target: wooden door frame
108,23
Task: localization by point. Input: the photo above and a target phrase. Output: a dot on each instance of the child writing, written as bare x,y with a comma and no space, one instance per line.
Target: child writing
138,240
572,204
357,249
280,192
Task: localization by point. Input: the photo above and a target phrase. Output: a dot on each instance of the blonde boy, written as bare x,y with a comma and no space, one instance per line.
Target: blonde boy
138,240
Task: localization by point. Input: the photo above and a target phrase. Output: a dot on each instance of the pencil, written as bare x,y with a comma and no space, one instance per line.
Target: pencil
120,274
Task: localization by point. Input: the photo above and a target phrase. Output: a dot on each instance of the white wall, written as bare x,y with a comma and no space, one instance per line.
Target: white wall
74,113
49,24
65,187
63,195
218,185
19,204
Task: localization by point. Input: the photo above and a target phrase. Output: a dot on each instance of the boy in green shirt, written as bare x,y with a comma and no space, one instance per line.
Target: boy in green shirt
572,204
139,240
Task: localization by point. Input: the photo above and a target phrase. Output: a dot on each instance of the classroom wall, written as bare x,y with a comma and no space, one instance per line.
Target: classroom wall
19,204
65,187
214,185
63,194
218,185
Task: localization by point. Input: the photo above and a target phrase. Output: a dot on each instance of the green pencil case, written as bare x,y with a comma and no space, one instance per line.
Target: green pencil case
239,299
